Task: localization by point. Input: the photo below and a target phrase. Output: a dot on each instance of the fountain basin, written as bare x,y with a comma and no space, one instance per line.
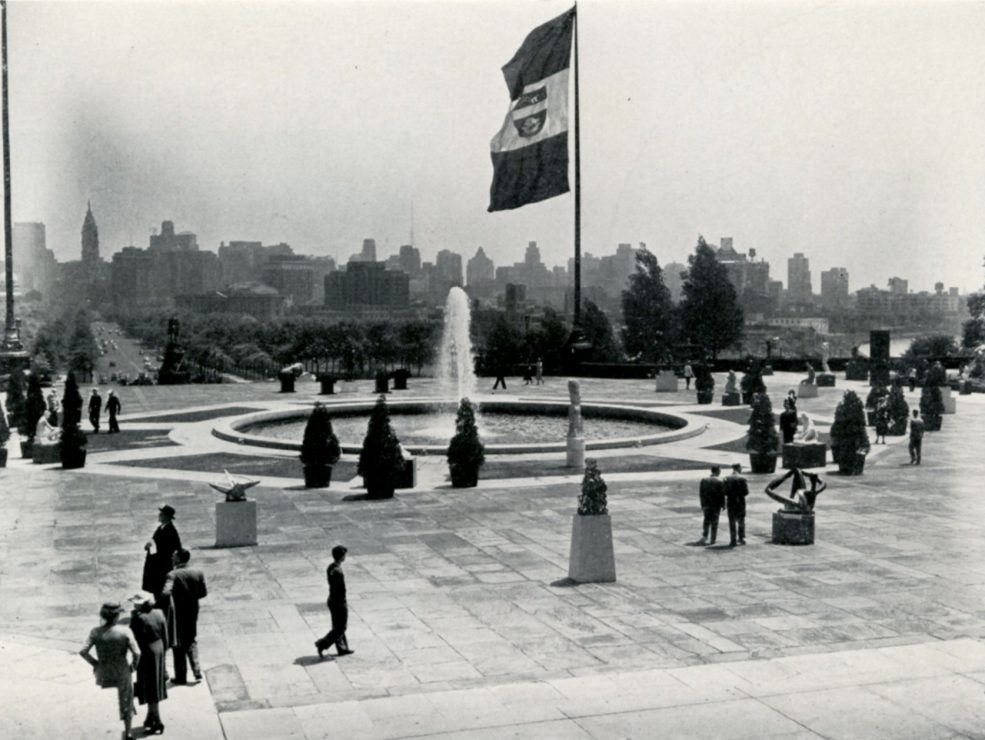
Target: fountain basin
668,427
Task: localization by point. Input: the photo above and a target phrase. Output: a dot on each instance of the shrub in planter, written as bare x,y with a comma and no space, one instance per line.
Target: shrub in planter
32,411
466,451
899,411
15,400
936,375
849,438
319,448
752,382
381,461
73,444
704,384
763,442
931,407
593,501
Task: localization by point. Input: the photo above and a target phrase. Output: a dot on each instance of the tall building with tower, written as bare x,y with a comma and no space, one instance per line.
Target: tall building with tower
799,288
90,238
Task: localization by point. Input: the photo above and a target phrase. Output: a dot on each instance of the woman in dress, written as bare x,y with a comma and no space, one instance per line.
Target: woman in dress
111,664
149,627
162,547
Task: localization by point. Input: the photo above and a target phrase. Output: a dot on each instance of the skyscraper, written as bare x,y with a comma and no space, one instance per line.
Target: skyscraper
834,287
799,288
90,238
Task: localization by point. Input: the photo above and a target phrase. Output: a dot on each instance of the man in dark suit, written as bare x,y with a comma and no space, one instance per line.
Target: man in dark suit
337,606
164,543
736,490
916,437
184,587
113,408
712,496
95,408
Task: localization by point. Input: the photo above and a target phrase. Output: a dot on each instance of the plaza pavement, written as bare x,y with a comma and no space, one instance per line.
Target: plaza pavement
462,622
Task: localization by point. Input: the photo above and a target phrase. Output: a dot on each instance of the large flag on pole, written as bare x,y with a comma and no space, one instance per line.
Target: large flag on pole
530,152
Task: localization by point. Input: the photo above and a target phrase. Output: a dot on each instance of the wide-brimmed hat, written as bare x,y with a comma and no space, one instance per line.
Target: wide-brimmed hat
167,510
110,609
141,597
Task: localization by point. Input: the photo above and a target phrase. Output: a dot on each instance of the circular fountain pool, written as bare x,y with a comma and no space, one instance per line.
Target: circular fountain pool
505,426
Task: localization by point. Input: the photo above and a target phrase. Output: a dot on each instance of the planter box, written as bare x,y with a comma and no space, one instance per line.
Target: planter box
46,454
576,452
826,380
27,448
317,476
408,476
854,465
791,528
592,558
810,455
382,384
235,523
400,379
805,390
3,457
705,397
287,383
666,383
463,477
856,372
762,463
75,460
731,399
327,383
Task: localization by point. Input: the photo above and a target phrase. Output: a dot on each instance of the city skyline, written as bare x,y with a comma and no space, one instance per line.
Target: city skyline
794,128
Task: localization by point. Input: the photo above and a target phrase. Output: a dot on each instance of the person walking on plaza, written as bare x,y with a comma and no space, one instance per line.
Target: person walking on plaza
688,375
528,374
917,428
337,606
95,408
164,543
911,378
185,587
712,497
112,665
882,420
736,490
540,371
500,376
151,632
113,408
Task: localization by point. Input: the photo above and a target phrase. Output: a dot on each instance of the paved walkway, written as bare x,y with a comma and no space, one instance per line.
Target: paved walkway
463,625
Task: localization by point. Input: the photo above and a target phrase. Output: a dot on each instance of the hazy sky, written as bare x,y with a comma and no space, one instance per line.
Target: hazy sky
854,133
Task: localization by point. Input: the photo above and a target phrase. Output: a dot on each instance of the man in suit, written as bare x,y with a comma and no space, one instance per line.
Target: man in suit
95,408
736,490
337,606
712,496
916,437
113,408
184,587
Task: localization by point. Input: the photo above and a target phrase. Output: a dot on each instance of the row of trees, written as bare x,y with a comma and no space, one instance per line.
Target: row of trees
708,317
65,343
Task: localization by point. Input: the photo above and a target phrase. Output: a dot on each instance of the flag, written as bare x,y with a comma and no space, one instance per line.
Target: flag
530,152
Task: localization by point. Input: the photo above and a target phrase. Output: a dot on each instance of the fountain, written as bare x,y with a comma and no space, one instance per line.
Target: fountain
456,374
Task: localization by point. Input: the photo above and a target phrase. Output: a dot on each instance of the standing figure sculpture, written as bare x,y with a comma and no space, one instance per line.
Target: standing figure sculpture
825,356
730,382
576,434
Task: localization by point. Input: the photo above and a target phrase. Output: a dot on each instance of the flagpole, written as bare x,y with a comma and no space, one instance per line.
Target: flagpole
577,312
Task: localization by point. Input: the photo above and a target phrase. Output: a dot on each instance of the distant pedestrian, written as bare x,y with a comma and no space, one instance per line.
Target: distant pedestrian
917,428
540,371
151,632
337,606
528,374
184,587
112,665
500,377
736,490
113,408
712,497
911,378
163,544
882,420
95,409
688,375
788,420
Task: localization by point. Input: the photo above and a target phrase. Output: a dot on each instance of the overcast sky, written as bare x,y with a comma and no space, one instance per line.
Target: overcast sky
854,133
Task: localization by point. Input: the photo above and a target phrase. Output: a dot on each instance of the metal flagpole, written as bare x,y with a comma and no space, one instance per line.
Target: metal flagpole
577,311
11,339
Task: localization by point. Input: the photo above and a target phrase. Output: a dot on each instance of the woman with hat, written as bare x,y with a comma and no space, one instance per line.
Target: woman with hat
111,666
150,628
164,543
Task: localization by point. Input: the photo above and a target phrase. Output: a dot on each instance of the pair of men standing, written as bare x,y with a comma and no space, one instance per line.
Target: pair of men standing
95,409
730,494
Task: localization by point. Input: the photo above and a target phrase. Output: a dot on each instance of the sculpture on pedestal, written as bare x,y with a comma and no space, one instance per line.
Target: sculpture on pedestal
730,382
804,491
574,410
806,432
825,356
234,487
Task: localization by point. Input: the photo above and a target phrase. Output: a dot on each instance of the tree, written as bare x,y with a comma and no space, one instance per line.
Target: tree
932,407
932,346
849,438
648,312
899,410
465,451
598,332
380,460
710,311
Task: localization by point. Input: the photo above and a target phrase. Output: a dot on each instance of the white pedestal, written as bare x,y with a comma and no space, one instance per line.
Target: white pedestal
666,383
576,452
592,557
235,523
806,391
950,403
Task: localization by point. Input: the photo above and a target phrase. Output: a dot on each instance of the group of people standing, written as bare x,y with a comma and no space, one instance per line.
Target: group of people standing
113,408
164,616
